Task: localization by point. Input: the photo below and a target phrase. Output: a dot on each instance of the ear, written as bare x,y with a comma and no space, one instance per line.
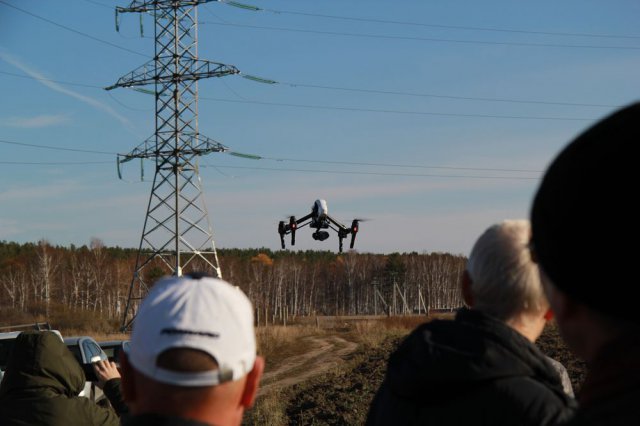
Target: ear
127,380
466,283
251,385
560,304
548,316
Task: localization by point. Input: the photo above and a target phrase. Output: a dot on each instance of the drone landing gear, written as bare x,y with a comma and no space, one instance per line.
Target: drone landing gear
293,225
281,231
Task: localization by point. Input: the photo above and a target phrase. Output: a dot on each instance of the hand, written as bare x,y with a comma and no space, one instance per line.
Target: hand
105,371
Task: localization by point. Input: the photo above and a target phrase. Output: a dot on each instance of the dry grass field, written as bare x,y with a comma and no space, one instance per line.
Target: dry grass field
328,376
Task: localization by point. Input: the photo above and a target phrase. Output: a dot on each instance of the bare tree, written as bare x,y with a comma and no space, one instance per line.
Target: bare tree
43,279
14,281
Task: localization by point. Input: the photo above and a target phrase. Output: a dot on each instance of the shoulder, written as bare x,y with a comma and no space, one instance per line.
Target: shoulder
84,411
56,410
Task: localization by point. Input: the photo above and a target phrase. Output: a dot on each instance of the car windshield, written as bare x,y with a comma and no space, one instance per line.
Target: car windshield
110,351
113,349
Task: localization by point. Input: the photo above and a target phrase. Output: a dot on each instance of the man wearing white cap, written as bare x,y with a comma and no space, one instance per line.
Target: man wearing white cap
192,359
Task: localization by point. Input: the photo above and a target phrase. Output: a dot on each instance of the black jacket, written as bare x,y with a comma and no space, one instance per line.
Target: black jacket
474,370
42,383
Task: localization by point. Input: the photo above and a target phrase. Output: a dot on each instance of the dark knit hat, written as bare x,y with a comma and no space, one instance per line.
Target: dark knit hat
583,219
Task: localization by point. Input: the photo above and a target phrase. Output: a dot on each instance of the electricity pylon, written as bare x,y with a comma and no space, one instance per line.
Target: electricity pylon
177,233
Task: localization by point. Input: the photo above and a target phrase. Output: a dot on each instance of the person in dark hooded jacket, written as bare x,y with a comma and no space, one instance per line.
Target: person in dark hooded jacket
41,386
583,233
483,367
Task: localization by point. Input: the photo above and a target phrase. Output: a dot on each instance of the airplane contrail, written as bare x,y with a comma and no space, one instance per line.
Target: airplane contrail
42,79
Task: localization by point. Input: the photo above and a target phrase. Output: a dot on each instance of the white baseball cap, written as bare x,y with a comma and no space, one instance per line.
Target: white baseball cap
201,313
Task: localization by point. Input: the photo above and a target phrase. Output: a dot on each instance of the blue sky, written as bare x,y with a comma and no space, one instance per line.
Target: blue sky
451,66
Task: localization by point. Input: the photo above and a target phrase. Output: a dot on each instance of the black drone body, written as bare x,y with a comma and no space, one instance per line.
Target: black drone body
319,220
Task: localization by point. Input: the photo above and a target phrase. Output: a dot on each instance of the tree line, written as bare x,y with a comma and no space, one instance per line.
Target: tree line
43,280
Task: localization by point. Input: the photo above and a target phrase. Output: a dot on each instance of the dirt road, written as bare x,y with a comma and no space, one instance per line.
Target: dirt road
325,353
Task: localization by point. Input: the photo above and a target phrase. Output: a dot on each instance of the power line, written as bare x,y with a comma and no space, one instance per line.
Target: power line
406,112
387,111
97,3
455,27
54,163
68,83
412,166
432,95
376,173
356,89
56,148
122,104
216,167
214,15
83,34
352,163
430,39
362,90
367,109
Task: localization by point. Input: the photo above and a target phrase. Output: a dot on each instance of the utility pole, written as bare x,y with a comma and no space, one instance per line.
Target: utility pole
177,234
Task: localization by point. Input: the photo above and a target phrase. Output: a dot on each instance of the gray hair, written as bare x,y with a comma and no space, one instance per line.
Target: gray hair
505,280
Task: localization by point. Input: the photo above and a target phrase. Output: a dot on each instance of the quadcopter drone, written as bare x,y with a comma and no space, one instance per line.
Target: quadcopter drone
319,219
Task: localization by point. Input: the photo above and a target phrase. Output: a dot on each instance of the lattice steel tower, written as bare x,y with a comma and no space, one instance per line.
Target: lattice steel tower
177,233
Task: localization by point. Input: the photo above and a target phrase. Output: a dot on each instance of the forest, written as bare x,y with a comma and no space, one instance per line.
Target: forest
70,286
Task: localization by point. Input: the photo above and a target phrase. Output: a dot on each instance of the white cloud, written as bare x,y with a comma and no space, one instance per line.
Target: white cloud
44,120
